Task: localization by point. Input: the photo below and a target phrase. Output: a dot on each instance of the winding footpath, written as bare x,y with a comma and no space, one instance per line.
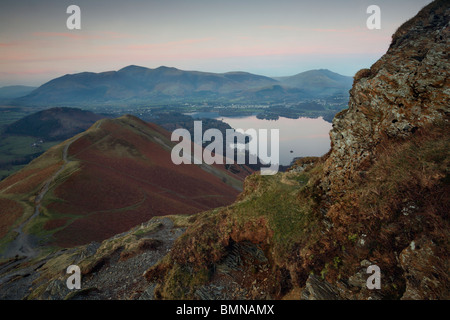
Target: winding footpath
24,245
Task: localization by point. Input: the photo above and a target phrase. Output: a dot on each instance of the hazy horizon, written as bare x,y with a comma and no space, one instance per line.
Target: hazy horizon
261,37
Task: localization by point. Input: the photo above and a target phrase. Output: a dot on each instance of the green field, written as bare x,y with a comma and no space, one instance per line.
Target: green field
10,114
17,151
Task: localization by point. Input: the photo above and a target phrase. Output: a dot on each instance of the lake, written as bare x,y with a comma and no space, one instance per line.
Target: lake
298,137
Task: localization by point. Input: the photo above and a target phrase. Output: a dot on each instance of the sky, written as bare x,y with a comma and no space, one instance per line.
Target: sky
267,37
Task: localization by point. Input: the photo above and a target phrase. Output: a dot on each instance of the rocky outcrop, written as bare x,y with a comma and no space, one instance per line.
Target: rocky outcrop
109,270
376,182
406,89
316,289
424,268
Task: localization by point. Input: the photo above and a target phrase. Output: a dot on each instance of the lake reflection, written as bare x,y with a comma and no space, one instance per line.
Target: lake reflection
303,136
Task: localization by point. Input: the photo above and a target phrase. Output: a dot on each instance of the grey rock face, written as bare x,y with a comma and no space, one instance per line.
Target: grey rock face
316,289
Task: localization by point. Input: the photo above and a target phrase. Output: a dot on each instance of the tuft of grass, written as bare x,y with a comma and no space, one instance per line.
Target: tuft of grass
287,216
182,282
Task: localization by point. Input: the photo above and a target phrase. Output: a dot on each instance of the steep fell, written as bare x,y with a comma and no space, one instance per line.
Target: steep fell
106,180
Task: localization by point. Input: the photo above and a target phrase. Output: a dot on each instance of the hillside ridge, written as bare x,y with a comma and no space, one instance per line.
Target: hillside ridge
125,165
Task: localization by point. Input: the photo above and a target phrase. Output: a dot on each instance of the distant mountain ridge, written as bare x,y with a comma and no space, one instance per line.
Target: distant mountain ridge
319,82
135,85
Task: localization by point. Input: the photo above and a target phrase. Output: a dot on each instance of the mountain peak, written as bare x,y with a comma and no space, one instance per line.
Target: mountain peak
319,80
166,68
132,68
136,68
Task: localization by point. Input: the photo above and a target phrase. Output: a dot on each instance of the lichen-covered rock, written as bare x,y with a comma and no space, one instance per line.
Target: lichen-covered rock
425,271
316,289
406,89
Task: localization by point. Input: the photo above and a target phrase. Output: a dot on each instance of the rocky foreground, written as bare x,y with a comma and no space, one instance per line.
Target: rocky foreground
379,197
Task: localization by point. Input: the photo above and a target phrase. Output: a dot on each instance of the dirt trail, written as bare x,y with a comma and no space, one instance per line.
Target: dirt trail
25,245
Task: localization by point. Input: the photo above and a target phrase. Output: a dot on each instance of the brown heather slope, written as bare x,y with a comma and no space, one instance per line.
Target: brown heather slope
117,175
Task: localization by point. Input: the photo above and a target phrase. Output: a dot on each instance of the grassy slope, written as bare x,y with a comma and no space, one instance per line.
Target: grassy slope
17,149
21,188
21,127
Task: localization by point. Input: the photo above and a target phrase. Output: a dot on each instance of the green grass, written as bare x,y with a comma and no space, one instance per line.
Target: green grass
302,179
287,215
27,200
182,282
13,146
9,115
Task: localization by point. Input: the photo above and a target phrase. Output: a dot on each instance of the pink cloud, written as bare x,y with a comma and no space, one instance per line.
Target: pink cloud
7,45
78,36
14,56
115,35
333,30
282,27
64,35
169,44
35,72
